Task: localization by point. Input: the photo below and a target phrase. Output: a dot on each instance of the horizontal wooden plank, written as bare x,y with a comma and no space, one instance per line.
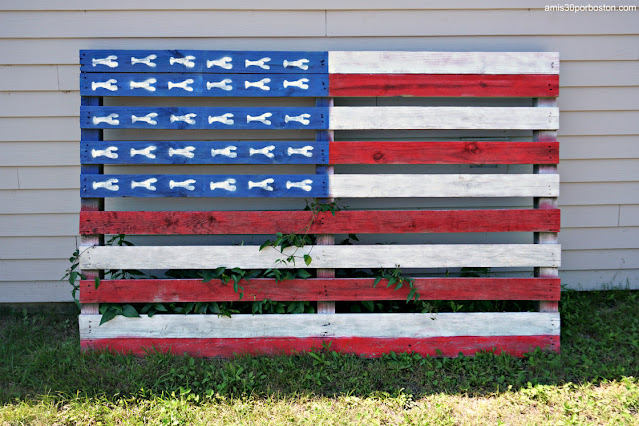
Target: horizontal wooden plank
598,98
9,178
203,186
61,177
23,78
389,62
449,152
203,61
189,84
343,222
363,346
629,215
40,153
432,85
586,47
600,259
195,5
601,279
204,152
175,24
38,225
360,256
599,193
259,118
44,246
320,289
458,185
39,201
604,170
591,216
39,104
473,21
29,270
621,237
314,325
35,291
477,118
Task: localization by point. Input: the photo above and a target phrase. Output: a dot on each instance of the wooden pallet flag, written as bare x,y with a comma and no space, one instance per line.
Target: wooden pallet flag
165,76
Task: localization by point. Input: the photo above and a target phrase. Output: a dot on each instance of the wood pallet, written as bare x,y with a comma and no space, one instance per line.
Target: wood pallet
323,76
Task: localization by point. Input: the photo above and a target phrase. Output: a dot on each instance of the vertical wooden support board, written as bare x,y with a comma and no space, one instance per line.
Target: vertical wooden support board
325,239
91,204
546,203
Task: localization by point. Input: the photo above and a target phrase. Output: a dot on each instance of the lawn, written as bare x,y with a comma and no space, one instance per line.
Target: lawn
44,379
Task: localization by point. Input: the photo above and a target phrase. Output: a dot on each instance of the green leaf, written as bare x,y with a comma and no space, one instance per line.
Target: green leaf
307,259
129,311
391,281
369,305
97,282
107,315
377,280
353,237
303,273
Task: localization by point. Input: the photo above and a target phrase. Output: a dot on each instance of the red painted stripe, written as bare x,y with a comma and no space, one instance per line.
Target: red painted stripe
479,85
320,289
370,347
344,222
453,152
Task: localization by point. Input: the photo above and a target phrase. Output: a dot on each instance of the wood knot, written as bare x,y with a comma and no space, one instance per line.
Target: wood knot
472,147
378,156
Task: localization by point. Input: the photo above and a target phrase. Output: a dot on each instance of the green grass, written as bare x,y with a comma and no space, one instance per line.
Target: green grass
44,379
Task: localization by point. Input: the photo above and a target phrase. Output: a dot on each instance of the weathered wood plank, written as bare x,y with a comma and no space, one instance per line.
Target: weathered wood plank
449,152
320,289
432,85
363,346
260,118
190,84
475,118
343,222
204,152
311,325
203,61
461,185
360,256
203,186
443,62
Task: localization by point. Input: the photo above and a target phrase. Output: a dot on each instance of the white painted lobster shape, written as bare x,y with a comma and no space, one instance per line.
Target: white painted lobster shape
110,152
145,152
148,184
148,60
229,152
228,185
109,184
187,61
109,61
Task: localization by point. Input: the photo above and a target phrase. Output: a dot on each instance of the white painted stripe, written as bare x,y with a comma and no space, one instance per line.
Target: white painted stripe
313,325
462,185
435,118
341,256
443,62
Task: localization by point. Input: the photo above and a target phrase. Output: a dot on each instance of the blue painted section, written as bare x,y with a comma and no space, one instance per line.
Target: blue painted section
204,152
200,186
123,117
198,85
204,61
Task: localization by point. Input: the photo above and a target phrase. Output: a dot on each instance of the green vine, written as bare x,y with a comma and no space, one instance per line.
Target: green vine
396,278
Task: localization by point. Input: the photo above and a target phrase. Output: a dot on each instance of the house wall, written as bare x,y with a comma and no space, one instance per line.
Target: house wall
39,106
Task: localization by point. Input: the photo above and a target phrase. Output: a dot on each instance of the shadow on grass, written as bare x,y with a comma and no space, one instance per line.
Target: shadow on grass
40,355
